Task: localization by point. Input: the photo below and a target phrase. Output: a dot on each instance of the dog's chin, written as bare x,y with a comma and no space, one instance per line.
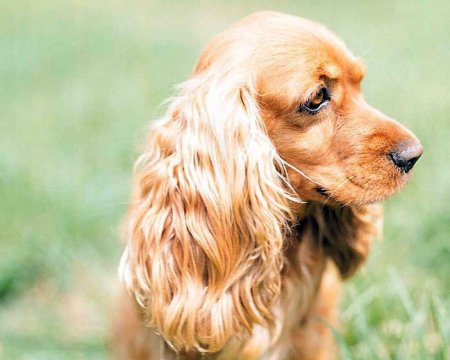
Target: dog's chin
356,196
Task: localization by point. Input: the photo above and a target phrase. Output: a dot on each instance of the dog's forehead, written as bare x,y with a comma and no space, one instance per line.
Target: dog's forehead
311,46
313,50
275,43
298,44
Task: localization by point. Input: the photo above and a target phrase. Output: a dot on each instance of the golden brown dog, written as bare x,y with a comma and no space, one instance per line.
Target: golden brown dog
254,196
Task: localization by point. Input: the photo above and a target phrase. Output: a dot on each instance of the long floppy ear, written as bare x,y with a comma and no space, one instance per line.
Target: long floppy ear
207,223
346,233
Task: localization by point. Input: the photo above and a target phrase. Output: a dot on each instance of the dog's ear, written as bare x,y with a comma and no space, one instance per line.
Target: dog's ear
346,233
207,222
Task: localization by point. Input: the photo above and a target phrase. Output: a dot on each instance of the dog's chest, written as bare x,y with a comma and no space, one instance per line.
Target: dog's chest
300,287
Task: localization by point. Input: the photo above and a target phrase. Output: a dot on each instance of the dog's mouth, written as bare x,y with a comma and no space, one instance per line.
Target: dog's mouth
329,196
326,195
322,191
361,196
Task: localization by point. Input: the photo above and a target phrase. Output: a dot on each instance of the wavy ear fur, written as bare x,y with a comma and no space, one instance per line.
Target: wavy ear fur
346,233
207,222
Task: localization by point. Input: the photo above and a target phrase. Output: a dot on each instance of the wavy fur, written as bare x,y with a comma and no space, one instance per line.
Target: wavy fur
205,239
213,259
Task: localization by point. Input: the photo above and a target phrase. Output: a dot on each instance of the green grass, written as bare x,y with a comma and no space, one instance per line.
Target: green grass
81,80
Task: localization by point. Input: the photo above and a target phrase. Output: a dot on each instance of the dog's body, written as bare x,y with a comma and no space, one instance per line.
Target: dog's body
255,196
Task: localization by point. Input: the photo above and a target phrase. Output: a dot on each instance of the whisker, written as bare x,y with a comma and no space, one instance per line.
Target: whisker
365,194
298,171
284,176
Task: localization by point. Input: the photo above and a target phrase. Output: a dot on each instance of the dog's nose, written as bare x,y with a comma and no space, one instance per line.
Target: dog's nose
406,155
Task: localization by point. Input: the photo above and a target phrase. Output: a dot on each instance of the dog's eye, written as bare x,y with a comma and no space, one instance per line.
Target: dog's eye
316,102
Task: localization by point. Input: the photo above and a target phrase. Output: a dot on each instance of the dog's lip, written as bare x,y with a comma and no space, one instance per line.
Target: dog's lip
326,194
322,191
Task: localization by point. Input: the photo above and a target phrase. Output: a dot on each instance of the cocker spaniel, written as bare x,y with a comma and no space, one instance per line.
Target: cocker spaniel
254,196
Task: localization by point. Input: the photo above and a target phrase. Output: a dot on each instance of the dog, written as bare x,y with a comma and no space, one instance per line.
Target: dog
255,196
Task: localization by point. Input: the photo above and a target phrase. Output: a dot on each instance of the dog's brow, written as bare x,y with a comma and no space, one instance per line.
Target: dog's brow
332,71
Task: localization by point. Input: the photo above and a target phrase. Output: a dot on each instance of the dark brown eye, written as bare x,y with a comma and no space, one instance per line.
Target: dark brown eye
320,99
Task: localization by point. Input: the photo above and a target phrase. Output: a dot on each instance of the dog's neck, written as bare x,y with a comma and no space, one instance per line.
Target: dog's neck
343,233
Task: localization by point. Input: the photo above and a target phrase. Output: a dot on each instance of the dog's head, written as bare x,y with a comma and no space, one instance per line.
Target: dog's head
308,88
272,116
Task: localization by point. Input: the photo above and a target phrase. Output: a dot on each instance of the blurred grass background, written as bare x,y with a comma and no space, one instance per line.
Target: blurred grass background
79,82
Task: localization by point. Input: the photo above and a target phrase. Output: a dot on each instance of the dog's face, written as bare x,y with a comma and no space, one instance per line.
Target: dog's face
320,123
309,90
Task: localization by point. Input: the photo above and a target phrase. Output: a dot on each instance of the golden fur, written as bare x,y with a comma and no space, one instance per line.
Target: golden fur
243,206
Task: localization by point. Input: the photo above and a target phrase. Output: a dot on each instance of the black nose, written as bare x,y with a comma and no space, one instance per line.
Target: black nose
406,155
